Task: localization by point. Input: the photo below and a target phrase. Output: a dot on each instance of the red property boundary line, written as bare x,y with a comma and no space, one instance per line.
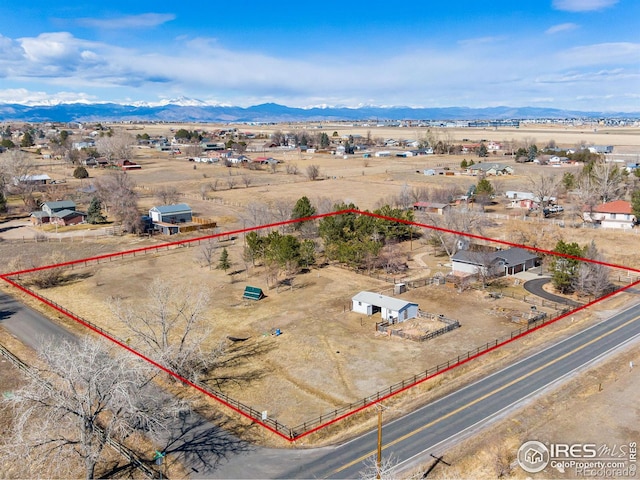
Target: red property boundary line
293,436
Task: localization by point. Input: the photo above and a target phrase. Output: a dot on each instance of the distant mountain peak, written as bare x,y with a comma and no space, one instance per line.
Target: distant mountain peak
184,109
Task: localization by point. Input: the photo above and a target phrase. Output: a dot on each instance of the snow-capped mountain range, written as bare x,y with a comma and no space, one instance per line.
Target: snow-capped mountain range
185,109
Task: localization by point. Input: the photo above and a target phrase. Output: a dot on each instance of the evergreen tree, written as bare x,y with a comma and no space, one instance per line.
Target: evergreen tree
27,140
635,204
482,150
565,269
3,203
80,172
302,209
224,263
463,163
94,213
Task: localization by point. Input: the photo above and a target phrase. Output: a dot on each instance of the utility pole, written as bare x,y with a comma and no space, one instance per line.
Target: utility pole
379,456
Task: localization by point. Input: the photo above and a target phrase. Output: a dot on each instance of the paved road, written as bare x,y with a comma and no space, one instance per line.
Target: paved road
27,324
430,429
535,288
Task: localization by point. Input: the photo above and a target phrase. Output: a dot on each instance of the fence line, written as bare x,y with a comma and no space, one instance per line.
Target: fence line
310,425
126,452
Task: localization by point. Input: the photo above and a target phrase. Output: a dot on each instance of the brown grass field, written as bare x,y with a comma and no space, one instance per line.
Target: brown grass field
317,364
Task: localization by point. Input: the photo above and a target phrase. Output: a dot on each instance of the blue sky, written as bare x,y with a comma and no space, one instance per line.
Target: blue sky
577,54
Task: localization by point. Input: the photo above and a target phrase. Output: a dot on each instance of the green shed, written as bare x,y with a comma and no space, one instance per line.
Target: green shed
252,293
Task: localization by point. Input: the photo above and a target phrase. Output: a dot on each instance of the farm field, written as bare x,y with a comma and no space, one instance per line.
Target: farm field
317,363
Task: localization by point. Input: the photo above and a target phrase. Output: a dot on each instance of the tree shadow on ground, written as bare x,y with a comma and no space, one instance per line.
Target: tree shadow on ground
201,444
238,364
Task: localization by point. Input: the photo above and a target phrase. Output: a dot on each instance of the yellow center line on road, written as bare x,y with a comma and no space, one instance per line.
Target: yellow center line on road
485,396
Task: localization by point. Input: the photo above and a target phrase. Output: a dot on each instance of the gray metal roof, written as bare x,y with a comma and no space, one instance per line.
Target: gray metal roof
390,303
61,205
177,208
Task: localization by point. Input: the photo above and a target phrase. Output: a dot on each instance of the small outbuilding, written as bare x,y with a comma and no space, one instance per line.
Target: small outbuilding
173,214
253,293
392,310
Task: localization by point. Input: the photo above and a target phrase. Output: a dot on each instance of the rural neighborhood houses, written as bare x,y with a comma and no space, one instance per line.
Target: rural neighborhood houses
616,214
392,310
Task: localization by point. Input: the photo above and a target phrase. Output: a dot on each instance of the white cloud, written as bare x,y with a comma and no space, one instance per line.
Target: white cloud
562,27
582,5
145,20
471,73
623,53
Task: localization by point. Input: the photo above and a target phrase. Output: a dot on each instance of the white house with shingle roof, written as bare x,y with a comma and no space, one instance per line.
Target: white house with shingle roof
392,309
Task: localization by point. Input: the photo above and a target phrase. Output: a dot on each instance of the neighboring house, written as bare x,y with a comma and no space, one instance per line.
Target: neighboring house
601,149
526,200
41,179
617,214
60,213
497,263
53,207
392,310
490,169
382,153
431,207
68,217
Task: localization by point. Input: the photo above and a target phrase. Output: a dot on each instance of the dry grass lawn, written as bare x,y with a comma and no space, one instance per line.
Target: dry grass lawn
317,363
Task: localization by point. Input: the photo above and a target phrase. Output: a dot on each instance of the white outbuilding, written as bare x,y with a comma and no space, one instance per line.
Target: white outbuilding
392,310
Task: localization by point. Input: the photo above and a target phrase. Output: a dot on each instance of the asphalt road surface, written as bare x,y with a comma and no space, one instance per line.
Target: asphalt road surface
535,287
28,325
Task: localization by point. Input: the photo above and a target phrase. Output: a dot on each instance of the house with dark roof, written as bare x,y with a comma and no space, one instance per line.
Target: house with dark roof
616,214
392,310
496,263
62,212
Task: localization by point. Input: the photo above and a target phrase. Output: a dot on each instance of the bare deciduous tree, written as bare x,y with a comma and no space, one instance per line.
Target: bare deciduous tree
207,250
15,169
466,221
592,278
168,195
83,396
171,327
117,193
116,147
258,214
231,181
291,169
246,179
313,172
372,471
544,186
608,180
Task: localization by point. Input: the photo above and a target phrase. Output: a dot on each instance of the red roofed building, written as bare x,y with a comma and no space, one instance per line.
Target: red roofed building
617,214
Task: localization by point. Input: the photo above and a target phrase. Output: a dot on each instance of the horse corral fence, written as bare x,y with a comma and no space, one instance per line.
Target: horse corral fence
385,327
